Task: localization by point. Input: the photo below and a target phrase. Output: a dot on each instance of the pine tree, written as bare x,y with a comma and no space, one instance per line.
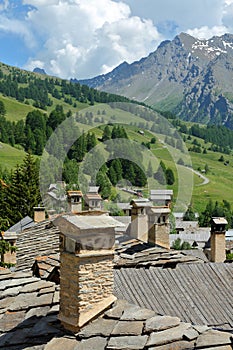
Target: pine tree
106,134
24,193
189,214
170,178
149,172
160,174
105,185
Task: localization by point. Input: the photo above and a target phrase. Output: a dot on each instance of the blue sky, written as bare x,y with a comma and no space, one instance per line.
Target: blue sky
85,38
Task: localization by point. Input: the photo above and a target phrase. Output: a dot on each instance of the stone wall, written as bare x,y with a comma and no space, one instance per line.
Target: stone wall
86,282
159,234
139,227
218,247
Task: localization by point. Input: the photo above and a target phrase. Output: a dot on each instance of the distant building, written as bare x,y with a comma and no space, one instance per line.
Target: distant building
92,199
161,197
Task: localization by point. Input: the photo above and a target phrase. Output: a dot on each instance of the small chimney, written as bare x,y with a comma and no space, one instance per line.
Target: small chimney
139,219
10,256
86,271
75,201
218,239
158,226
39,214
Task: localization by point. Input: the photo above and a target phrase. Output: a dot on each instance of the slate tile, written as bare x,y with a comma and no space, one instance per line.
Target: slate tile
127,343
36,286
100,327
159,323
6,302
117,310
97,343
10,292
14,338
37,311
178,345
168,335
213,338
46,290
56,297
16,282
136,313
128,328
61,343
29,300
191,334
11,320
42,327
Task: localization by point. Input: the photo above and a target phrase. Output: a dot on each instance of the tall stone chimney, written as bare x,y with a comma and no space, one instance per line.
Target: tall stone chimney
86,272
139,219
39,214
218,239
158,226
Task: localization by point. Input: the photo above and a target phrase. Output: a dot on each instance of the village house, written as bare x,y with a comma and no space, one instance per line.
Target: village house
92,199
137,295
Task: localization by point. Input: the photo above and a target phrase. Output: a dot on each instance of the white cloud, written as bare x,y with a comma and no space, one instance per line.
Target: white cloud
81,39
206,32
14,26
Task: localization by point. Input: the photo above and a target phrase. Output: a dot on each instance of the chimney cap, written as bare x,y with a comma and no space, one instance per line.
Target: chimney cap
39,208
219,221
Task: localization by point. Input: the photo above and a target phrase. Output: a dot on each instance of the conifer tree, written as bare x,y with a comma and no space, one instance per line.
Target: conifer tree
24,193
149,172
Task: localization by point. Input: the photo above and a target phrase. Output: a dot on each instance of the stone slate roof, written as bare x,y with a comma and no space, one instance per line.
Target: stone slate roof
196,293
41,239
134,253
28,321
28,311
23,224
47,267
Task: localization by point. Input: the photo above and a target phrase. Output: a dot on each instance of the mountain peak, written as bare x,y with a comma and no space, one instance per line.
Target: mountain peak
189,76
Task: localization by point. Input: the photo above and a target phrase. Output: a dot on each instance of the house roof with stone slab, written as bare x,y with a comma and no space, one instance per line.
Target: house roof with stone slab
196,293
29,320
41,239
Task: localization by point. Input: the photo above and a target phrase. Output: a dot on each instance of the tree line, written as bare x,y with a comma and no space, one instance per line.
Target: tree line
26,87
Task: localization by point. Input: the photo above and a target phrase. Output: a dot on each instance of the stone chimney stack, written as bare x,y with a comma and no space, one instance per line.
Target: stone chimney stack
75,201
158,226
86,273
218,239
39,214
139,219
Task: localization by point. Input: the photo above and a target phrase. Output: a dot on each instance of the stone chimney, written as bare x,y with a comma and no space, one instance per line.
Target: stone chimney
39,214
139,219
86,273
75,201
10,256
218,239
158,226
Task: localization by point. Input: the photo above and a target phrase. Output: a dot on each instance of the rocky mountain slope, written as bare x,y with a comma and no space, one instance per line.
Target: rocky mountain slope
191,77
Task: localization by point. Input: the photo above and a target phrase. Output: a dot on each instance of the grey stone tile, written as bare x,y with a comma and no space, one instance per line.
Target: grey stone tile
136,313
97,343
127,343
117,310
213,338
167,336
159,323
100,327
128,328
10,320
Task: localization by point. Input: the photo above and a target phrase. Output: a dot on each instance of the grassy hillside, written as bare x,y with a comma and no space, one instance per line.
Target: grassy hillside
10,156
220,175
